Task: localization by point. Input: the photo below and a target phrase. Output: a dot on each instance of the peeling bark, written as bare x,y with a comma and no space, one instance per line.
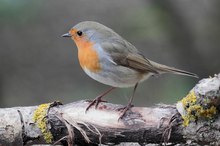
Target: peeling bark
69,124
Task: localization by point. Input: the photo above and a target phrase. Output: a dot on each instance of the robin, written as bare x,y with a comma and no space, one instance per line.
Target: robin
109,59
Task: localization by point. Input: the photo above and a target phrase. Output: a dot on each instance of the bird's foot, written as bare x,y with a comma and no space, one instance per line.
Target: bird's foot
95,102
98,99
124,110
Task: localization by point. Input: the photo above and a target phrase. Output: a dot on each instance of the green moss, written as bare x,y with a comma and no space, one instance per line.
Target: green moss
197,108
39,118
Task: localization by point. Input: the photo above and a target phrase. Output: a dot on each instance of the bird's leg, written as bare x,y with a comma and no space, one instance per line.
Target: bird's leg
98,99
129,105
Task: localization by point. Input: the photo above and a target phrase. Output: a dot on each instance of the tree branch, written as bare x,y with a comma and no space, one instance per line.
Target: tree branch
195,119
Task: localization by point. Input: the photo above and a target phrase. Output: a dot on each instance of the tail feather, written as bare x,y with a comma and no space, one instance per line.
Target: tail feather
166,69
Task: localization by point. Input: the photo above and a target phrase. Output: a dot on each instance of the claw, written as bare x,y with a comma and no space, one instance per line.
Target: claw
98,99
97,102
88,107
124,110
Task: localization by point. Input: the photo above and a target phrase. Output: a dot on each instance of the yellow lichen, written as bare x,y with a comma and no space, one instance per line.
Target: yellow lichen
189,99
209,113
197,109
185,120
39,118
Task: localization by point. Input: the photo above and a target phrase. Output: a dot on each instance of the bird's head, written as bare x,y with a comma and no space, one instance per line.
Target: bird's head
90,31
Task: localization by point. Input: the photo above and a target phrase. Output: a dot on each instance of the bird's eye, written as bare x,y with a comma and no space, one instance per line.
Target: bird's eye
79,33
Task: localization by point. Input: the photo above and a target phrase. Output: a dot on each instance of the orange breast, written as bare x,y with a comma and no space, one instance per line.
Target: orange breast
88,57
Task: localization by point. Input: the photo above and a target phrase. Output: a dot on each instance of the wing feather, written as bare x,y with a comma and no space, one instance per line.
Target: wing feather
125,54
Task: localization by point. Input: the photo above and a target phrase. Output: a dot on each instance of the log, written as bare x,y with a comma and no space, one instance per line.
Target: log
195,120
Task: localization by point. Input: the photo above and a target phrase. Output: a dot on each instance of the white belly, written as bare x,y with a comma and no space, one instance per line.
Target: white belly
122,77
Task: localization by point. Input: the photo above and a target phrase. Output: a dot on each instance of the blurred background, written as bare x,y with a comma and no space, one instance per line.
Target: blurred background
38,66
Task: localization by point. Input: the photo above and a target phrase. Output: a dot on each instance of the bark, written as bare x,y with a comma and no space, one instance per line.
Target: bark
69,124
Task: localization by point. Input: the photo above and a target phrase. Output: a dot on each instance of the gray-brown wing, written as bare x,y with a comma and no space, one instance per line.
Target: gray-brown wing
125,54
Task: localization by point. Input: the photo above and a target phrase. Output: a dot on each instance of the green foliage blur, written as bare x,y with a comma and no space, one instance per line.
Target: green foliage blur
38,66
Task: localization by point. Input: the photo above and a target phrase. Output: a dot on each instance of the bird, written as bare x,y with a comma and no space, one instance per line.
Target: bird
111,60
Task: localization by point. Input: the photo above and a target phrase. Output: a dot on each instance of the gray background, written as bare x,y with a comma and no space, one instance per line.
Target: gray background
38,66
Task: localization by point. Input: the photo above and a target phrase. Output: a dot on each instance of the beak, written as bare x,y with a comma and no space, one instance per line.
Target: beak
66,35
